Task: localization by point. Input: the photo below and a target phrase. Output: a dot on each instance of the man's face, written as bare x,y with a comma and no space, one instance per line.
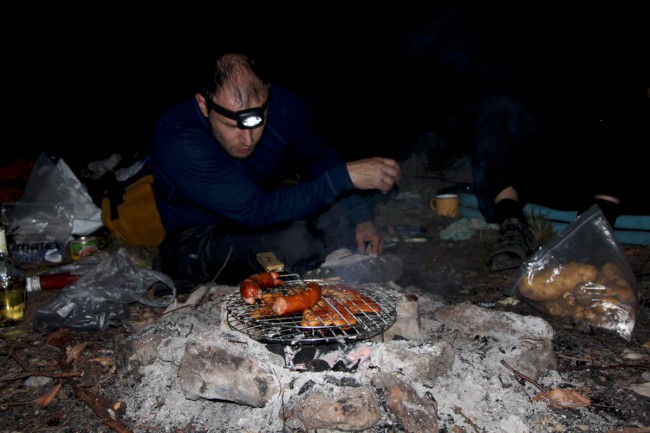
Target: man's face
237,142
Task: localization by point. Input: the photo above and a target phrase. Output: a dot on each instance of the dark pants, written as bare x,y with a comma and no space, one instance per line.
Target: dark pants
562,165
228,254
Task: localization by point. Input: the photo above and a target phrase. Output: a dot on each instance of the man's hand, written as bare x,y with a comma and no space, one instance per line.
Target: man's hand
374,173
367,234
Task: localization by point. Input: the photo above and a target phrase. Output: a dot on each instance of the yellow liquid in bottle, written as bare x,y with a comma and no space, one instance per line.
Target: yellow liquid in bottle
12,303
12,289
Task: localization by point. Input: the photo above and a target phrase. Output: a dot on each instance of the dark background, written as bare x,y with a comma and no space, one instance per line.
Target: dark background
85,83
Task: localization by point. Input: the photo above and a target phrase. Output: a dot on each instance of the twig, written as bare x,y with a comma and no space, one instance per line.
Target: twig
459,411
557,398
225,262
523,376
100,406
606,367
202,297
18,360
41,374
631,430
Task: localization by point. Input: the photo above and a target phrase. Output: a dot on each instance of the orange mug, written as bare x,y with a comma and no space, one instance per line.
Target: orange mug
446,205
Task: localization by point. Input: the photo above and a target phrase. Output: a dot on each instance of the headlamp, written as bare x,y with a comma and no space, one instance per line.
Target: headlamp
246,119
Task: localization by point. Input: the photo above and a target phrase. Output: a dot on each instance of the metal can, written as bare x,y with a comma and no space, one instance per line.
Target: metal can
83,246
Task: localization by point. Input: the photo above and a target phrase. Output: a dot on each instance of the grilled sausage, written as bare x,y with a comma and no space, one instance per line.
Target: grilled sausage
299,302
251,288
324,314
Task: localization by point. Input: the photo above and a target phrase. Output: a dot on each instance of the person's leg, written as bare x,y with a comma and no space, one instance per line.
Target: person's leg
616,172
342,260
507,205
610,207
516,241
228,255
500,179
336,228
198,253
498,159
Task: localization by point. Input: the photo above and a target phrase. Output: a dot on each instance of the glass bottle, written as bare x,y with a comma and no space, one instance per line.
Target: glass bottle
37,283
12,284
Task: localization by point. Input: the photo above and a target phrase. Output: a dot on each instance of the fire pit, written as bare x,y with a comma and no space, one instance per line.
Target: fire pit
365,310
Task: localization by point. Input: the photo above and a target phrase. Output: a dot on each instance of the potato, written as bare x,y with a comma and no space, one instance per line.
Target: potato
608,313
587,294
613,278
594,317
558,308
569,299
551,283
611,271
624,293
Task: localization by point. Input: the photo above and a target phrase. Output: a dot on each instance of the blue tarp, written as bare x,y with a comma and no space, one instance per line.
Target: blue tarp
630,229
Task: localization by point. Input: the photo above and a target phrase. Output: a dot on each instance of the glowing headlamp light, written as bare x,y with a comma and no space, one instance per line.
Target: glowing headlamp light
246,119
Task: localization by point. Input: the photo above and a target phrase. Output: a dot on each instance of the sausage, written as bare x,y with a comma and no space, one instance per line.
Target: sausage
251,288
324,314
299,302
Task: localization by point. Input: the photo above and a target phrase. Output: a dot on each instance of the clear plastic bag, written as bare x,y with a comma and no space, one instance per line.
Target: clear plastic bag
37,232
582,275
101,296
53,182
54,206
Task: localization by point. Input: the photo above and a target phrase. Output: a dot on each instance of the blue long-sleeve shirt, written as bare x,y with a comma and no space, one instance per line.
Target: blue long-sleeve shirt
197,183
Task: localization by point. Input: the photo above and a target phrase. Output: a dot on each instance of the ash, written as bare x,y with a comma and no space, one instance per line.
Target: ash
438,368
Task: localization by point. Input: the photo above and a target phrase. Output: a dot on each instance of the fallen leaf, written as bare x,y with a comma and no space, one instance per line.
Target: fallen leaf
46,399
193,300
59,338
105,361
641,389
72,353
508,301
563,398
646,345
631,354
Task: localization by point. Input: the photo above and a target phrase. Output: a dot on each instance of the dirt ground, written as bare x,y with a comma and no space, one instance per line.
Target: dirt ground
66,382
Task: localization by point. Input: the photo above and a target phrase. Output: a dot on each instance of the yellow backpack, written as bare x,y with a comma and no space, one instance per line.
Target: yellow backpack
135,221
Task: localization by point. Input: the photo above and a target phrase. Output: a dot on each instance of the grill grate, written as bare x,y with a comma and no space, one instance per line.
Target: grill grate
271,328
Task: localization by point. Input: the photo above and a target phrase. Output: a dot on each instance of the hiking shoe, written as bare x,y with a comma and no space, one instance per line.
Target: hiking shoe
355,267
516,243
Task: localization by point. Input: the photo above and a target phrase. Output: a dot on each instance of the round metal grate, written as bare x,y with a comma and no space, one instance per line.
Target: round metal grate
263,325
